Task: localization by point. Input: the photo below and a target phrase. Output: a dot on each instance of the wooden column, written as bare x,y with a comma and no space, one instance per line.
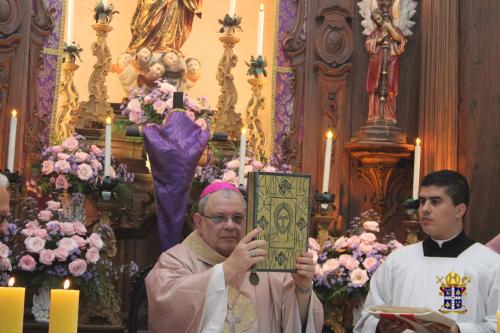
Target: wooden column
439,84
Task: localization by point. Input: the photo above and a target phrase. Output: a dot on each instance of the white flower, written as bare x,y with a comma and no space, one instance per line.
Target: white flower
85,171
34,244
358,277
4,250
67,244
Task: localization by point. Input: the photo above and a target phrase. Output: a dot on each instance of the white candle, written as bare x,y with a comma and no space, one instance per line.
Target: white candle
328,159
260,30
70,11
416,169
107,148
232,8
12,141
243,152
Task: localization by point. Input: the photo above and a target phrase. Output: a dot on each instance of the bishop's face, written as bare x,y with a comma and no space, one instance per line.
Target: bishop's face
222,236
439,217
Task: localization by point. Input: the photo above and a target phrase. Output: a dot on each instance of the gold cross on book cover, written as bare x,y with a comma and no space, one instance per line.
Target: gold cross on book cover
279,203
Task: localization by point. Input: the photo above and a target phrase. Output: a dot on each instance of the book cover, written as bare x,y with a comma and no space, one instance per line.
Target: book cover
418,318
279,203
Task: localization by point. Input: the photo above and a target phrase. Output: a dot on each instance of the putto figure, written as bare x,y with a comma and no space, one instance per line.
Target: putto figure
386,24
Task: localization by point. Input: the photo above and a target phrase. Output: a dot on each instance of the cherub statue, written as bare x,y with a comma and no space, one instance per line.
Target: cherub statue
386,23
104,13
175,70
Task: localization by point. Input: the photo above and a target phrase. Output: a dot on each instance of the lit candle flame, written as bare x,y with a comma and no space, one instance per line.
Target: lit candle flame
243,130
11,282
108,121
14,113
418,141
261,6
66,285
329,135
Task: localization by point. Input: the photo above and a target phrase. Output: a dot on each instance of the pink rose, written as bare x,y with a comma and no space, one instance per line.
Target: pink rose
95,241
28,232
61,253
47,257
27,263
257,164
42,233
56,149
368,237
369,263
47,167
67,228
352,264
269,168
81,156
79,240
353,240
365,248
135,116
233,164
96,165
344,258
53,205
167,88
5,264
62,166
247,169
34,244
330,265
62,156
147,99
4,250
191,104
371,226
70,143
191,115
45,215
159,106
80,228
77,267
229,176
95,150
92,255
61,183
85,171
341,243
358,277
134,105
202,123
68,244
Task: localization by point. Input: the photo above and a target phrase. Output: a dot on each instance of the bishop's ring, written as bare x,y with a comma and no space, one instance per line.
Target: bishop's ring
253,253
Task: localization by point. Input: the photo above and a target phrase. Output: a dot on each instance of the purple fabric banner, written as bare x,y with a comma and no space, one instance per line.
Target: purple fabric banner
174,151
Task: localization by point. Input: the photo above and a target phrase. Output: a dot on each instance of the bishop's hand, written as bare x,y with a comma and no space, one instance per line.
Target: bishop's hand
392,326
305,271
247,253
437,328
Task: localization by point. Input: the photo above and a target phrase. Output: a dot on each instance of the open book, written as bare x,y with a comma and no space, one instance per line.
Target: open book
418,318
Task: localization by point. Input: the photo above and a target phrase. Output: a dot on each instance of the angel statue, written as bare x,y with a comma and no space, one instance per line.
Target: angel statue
386,23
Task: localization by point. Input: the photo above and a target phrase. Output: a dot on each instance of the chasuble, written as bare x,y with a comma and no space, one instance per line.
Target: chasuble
187,293
464,286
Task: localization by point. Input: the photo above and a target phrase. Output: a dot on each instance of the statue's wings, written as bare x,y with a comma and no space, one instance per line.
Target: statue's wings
403,11
365,9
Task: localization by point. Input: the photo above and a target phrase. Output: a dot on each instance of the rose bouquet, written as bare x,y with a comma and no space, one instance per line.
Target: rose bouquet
344,266
76,168
154,108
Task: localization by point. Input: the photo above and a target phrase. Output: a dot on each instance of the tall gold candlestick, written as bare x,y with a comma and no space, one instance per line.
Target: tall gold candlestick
256,135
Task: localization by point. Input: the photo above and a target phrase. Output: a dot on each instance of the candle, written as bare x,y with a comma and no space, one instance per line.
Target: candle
70,10
64,310
12,141
498,321
328,159
243,151
107,148
11,308
416,169
232,8
260,30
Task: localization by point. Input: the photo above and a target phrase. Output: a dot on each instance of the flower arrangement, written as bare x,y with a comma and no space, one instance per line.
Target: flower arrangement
345,266
153,108
75,168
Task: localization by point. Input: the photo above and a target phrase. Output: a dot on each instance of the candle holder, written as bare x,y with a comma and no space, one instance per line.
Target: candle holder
256,135
226,119
326,220
412,224
97,108
67,112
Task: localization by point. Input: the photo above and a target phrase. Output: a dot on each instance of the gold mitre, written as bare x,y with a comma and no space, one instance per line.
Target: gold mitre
452,279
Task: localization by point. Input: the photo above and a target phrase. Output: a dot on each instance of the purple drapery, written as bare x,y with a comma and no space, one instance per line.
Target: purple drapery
174,151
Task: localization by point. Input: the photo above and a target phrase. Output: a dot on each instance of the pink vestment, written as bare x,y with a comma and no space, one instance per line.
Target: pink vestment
177,291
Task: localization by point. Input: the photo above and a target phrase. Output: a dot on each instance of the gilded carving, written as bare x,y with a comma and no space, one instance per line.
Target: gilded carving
256,135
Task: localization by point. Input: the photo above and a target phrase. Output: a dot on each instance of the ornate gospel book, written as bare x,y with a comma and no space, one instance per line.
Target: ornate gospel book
279,203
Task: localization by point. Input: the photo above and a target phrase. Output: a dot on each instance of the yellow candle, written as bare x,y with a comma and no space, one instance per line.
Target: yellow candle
498,321
64,310
11,308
